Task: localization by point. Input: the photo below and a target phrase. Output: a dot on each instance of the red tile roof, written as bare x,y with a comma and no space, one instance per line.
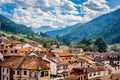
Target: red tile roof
64,54
28,62
62,63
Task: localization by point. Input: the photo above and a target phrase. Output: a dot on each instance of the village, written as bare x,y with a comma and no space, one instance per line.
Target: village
29,61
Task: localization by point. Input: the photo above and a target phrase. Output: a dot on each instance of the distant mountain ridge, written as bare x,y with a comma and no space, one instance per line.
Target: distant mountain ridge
43,29
61,32
98,27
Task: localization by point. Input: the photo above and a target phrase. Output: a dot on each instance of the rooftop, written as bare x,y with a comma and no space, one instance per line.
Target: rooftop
28,62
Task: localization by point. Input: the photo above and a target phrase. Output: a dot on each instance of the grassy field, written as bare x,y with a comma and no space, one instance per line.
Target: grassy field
17,36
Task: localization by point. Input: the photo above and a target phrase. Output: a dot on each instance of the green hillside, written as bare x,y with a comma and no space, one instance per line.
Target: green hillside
17,36
22,33
111,32
106,26
9,26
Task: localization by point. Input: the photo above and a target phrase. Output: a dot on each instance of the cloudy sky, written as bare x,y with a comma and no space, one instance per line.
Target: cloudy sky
55,13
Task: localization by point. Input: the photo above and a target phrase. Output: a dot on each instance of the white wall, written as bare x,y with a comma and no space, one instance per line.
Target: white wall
53,66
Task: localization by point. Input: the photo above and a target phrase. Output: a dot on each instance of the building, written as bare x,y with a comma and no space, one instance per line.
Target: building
96,72
76,51
24,68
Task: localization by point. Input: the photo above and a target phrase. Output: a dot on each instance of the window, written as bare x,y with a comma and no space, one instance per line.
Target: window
14,72
44,73
65,66
25,72
11,51
6,46
15,51
84,77
35,75
30,74
7,78
7,71
90,74
81,64
5,51
18,73
94,73
3,70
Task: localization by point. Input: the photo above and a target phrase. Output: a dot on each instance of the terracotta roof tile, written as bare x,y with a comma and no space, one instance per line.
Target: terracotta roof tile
62,63
28,62
12,62
64,54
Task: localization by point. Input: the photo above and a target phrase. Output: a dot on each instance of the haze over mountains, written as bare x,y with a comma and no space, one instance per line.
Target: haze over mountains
43,29
106,26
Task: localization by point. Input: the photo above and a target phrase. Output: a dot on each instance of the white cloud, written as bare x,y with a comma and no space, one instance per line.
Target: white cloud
37,17
94,8
5,1
55,13
45,13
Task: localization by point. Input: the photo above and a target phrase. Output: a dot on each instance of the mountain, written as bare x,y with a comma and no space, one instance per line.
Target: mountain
9,26
61,32
43,29
98,27
22,33
111,32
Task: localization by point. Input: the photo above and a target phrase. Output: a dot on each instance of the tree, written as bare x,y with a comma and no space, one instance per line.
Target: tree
86,41
66,41
13,37
46,45
83,46
22,40
101,45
